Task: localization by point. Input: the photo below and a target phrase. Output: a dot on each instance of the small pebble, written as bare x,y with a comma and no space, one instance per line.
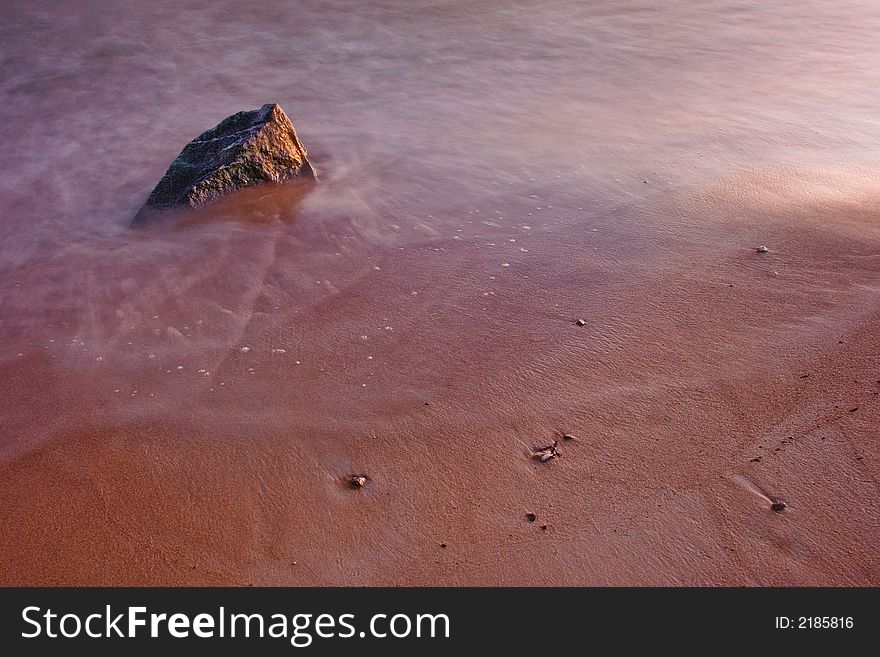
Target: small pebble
531,517
568,436
544,454
762,249
580,322
358,481
778,506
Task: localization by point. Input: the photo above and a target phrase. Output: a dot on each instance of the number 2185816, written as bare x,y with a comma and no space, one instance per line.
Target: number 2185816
814,622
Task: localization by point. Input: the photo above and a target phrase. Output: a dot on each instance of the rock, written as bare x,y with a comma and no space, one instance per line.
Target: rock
244,150
778,506
568,436
357,481
544,454
580,322
531,517
762,249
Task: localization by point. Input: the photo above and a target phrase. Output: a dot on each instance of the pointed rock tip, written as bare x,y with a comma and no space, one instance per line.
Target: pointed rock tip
272,108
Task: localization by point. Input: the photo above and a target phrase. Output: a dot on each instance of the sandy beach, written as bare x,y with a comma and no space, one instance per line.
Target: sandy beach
182,404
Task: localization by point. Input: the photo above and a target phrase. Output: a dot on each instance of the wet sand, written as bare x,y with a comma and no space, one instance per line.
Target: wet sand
182,403
706,373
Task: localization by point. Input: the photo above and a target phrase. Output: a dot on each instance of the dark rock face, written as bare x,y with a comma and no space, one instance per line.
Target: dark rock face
244,150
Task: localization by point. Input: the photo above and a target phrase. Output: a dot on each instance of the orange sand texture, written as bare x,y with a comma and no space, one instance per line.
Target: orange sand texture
693,384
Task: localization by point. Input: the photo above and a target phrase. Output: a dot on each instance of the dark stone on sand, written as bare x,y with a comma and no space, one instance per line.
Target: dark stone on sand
778,506
531,517
244,150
